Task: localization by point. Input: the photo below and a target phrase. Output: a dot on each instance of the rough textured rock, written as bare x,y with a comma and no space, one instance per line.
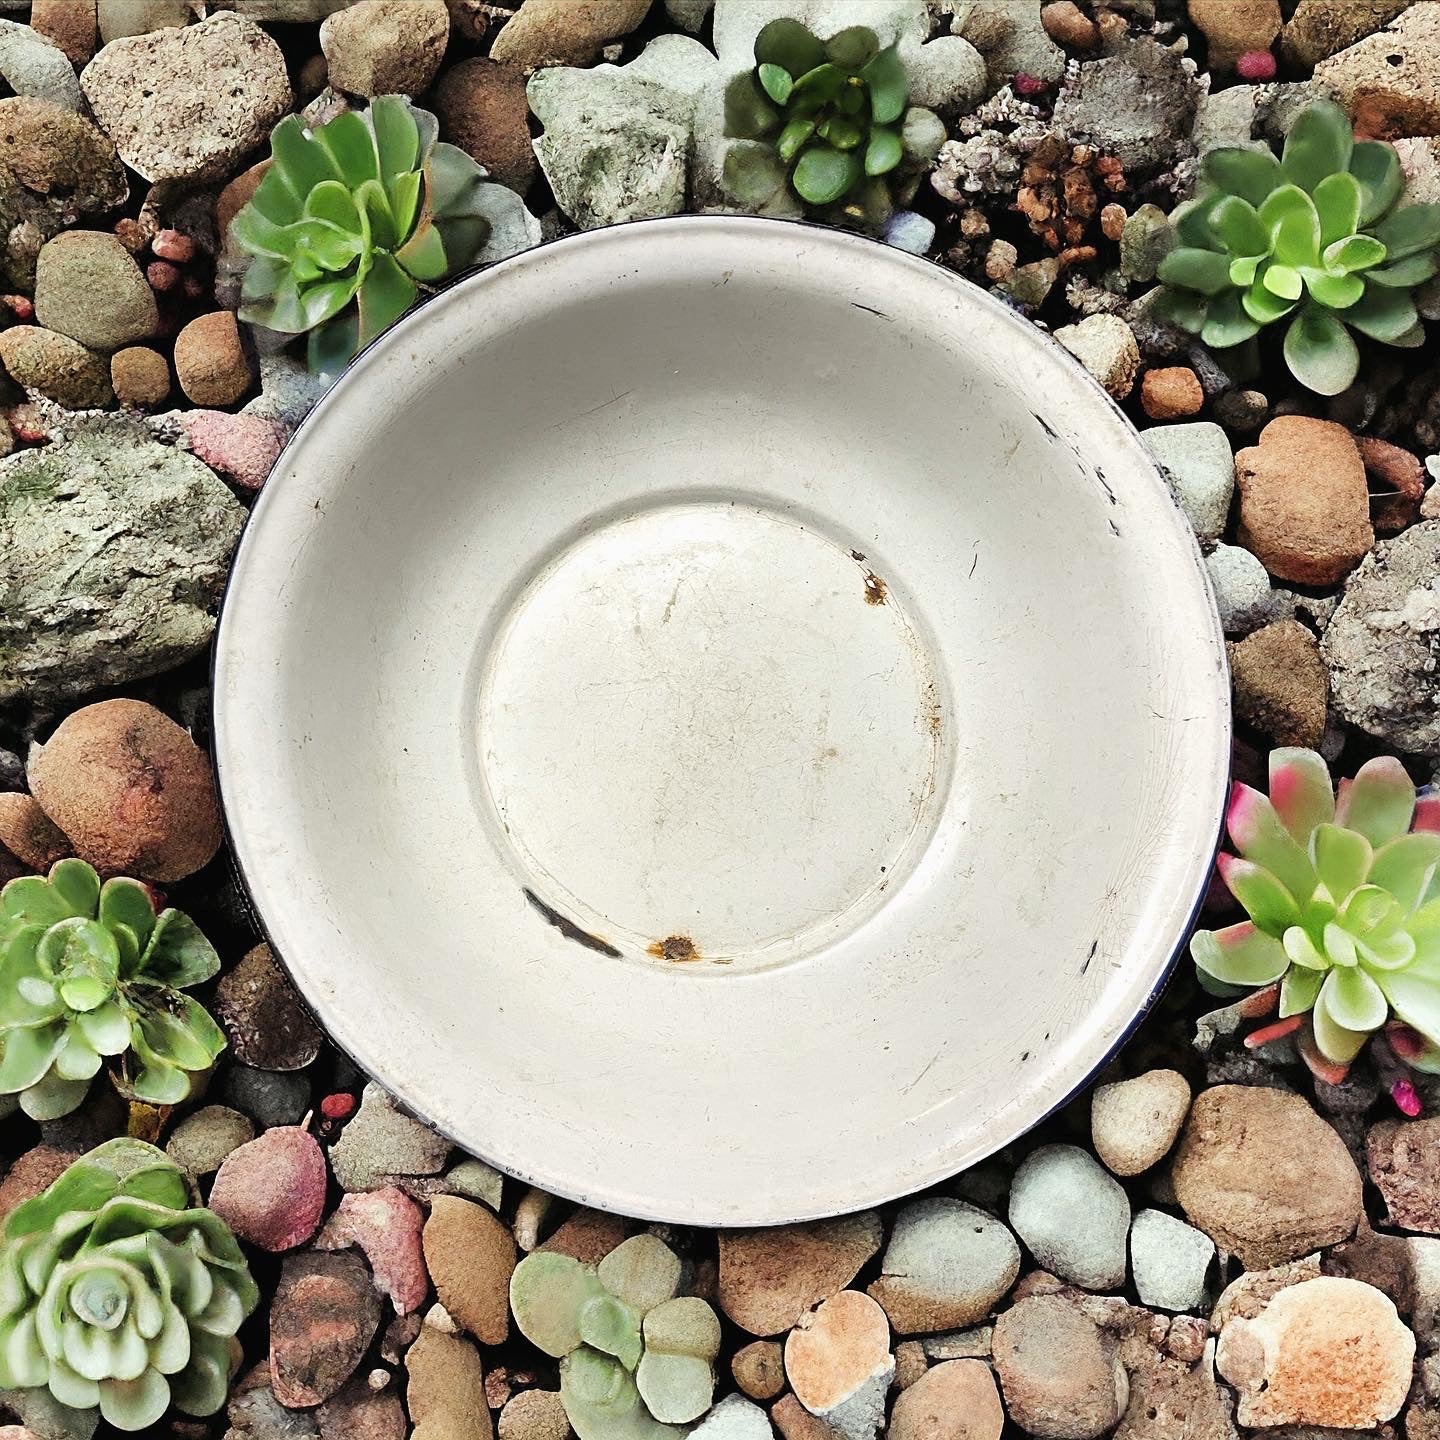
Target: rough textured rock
1060,1372
1328,1351
1382,645
385,47
140,377
1171,393
587,1236
445,1393
1133,1123
31,65
953,1401
1176,1399
1304,507
1197,461
386,1225
382,1142
1012,39
1234,26
1260,1173
271,1191
55,366
533,1415
1281,684
115,549
264,1019
483,109
119,18
564,32
28,833
131,789
360,1413
269,1098
946,1266
88,286
838,1362
733,1418
1403,1161
200,1142
1320,28
1169,1260
769,1278
1072,1215
1397,475
69,25
1242,589
759,1369
471,1255
255,1413
1105,345
1390,81
187,104
322,1319
210,360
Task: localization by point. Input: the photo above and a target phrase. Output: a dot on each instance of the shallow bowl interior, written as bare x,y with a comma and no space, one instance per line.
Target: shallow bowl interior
723,719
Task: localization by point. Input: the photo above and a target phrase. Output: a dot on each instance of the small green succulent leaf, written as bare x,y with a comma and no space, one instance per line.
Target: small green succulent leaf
776,81
1236,224
789,44
1298,991
1410,231
792,137
1245,269
106,1028
1353,252
752,173
1205,271
177,953
1283,281
391,120
602,1403
1335,292
884,151
608,1324
1190,221
749,115
351,146
1377,167
1383,313
1407,273
1342,857
823,174
27,1054
332,344
1289,215
1320,144
1227,323
1238,170
1184,308
77,884
643,1271
888,84
126,903
31,900
548,1293
1320,353
853,48
841,132
1239,955
1338,199
675,1388
1267,902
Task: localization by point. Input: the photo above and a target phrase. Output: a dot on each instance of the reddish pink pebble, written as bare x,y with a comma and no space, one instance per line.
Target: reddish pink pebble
1406,1098
271,1191
386,1225
242,447
172,245
1256,65
21,306
27,424
1029,84
1258,1002
162,275
338,1107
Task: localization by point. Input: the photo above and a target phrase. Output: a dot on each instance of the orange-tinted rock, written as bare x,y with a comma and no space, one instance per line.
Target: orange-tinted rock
953,1401
1281,683
28,833
483,109
471,1256
1171,393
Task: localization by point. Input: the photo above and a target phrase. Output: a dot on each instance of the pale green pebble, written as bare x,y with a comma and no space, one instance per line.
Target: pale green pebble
478,1181
201,1141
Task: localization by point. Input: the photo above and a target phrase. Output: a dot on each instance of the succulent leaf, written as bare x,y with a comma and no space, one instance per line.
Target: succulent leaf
1320,353
1320,144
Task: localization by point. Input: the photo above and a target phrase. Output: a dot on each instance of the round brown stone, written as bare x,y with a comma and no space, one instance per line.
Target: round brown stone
953,1401
140,377
471,1256
1281,684
28,833
210,360
759,1369
1171,393
483,110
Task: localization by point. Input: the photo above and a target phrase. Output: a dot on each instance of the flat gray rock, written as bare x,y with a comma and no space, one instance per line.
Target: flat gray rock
1073,1215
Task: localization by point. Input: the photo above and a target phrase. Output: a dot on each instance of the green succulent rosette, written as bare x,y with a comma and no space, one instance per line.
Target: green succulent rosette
1343,894
351,219
829,120
91,971
117,1295
1314,237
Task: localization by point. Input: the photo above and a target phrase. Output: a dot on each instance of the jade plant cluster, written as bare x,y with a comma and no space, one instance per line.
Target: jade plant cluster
90,971
1314,237
351,219
829,121
116,1295
1343,899
637,1357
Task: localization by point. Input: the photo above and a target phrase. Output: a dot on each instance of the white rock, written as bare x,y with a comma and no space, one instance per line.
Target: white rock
1242,589
1073,1216
32,66
1105,345
734,1418
946,74
1133,1123
1200,466
1169,1260
908,231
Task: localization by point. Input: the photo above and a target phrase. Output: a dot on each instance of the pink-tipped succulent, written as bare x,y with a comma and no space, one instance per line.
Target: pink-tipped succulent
1344,903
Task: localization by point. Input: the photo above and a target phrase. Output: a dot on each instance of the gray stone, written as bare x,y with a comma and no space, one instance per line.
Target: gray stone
1144,242
1138,105
88,286
734,1418
146,94
1242,589
972,1344
946,1266
1382,646
118,18
688,14
1106,346
201,1141
113,554
1169,1260
32,66
1200,466
288,391
1228,117
1008,33
381,1142
1073,1216
269,1097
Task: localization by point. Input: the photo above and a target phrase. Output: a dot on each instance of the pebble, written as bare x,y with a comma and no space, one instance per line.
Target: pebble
131,789
55,366
1242,411
1329,1351
288,391
1073,1216
910,1364
140,377
838,1362
264,1019
1243,595
1144,242
1233,27
1280,683
483,109
972,1344
88,286
67,25
269,1098
946,1266
143,92
33,66
1133,1123
1059,1371
795,1422
909,231
531,1212
29,834
1105,345
1319,28
255,1413
734,1418
446,1390
587,1236
385,47
1304,506
1013,40
1169,1260
759,1369
770,1278
953,1401
322,1319
1400,477
479,1181
1390,81
534,1415
381,1141
1067,24
1380,644
1200,468
200,1142
1260,1173
119,18
1403,1161
555,32
386,1225
359,1413
271,1190
1171,393
470,1256
210,360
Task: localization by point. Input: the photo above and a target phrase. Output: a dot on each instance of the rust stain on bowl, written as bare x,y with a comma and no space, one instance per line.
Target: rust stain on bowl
677,948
